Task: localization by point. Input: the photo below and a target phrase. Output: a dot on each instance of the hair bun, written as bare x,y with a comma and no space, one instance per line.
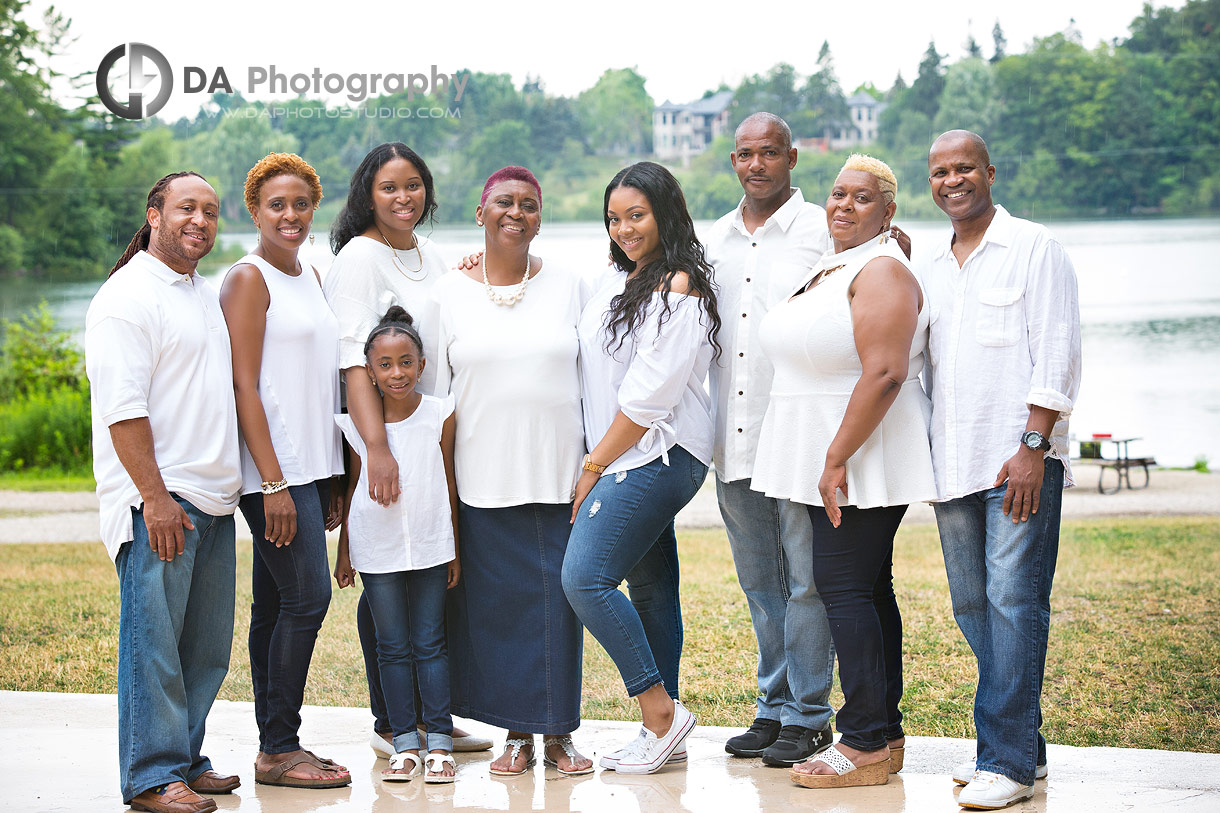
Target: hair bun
398,314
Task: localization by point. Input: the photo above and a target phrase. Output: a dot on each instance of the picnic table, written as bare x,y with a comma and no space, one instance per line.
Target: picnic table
1122,463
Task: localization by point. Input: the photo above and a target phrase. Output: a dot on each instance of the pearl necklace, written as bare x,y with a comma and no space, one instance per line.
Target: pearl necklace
518,291
409,274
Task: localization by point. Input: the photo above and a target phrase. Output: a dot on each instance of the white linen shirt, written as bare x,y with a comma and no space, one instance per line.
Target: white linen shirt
655,377
1005,335
753,273
416,531
156,347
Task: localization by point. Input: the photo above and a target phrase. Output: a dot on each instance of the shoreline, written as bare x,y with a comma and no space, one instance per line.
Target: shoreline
71,516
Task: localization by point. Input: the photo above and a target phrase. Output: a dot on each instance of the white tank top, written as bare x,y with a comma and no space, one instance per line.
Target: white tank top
298,381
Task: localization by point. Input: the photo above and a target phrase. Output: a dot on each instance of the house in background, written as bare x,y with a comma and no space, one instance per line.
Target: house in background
861,128
680,131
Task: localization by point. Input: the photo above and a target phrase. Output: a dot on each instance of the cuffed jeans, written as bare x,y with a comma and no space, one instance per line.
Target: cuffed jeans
772,544
291,590
408,608
624,530
853,568
175,635
1000,575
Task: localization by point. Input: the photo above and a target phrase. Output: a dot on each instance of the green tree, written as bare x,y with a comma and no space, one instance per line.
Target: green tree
999,43
227,153
616,113
968,100
924,96
72,222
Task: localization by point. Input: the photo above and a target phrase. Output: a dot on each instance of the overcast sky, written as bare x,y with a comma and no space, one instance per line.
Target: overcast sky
681,48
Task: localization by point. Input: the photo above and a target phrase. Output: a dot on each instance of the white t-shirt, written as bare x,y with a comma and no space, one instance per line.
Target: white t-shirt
416,532
363,282
513,371
156,347
298,380
655,377
753,273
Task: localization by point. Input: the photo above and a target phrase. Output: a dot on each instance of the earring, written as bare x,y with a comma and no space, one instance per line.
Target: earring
311,238
258,238
885,233
478,222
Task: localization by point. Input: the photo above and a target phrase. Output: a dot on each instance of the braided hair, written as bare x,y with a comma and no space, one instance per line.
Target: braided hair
156,200
395,321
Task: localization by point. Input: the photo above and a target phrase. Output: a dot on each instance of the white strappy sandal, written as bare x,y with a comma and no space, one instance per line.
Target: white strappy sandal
398,762
846,773
564,742
436,763
514,746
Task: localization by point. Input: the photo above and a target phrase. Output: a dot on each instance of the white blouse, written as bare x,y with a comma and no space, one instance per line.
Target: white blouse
514,374
363,282
810,340
416,532
655,378
298,380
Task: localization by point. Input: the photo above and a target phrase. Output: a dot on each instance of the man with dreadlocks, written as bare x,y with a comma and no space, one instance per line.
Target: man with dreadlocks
165,457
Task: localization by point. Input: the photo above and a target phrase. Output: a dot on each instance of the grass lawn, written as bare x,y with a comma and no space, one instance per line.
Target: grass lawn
1134,658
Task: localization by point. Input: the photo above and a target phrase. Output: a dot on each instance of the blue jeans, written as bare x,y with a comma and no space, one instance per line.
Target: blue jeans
624,530
408,609
372,671
1000,575
772,544
291,587
853,567
175,634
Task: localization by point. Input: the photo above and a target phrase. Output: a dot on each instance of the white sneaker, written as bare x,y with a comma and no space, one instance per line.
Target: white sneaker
991,791
610,761
964,772
648,753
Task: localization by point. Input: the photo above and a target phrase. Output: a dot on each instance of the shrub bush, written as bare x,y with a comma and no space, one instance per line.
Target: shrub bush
47,431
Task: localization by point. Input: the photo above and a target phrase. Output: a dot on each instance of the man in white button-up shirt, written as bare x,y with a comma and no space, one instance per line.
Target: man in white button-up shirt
1004,348
760,251
165,456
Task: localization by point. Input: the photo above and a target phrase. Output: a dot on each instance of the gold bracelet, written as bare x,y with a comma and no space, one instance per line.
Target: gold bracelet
269,487
589,465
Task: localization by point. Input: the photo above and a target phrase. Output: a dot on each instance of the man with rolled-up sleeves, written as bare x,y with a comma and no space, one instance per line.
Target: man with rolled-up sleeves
1004,351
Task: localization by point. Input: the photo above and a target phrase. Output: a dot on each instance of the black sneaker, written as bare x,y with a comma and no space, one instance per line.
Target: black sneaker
758,736
796,744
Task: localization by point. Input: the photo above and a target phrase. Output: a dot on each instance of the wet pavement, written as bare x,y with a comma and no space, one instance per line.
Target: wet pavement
60,752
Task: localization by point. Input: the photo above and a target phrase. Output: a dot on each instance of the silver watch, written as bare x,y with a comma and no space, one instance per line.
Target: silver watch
1036,441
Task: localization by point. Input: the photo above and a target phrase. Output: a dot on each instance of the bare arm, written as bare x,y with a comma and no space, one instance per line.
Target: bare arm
621,436
448,436
885,301
244,300
345,576
364,405
164,518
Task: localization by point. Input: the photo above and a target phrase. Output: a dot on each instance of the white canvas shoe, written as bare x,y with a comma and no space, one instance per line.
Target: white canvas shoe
610,761
992,791
964,772
648,753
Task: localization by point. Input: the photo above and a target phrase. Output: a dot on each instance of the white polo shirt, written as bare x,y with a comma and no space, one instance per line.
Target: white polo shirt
156,347
1004,336
753,273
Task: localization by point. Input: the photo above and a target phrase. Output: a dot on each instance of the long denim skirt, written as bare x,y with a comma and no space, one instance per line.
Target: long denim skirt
515,644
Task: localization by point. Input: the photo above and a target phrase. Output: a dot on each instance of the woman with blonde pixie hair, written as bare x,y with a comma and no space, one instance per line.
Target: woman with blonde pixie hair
846,433
286,381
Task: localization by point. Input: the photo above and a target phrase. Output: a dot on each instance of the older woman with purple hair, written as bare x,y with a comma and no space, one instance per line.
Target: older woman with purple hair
507,352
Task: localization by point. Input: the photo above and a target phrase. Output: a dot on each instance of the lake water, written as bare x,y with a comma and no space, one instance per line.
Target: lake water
1150,314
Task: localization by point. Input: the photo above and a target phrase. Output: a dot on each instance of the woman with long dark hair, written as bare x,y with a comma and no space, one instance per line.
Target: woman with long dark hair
647,336
382,260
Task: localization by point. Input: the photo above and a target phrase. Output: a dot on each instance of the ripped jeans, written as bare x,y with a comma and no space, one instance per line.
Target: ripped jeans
624,530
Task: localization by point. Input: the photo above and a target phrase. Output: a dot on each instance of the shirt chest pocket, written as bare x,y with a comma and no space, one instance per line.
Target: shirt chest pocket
1001,317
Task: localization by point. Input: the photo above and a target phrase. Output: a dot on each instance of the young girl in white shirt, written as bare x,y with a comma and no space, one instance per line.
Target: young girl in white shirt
406,552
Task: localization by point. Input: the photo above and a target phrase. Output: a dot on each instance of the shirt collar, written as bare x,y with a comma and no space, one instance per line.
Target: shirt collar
999,231
783,216
162,271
